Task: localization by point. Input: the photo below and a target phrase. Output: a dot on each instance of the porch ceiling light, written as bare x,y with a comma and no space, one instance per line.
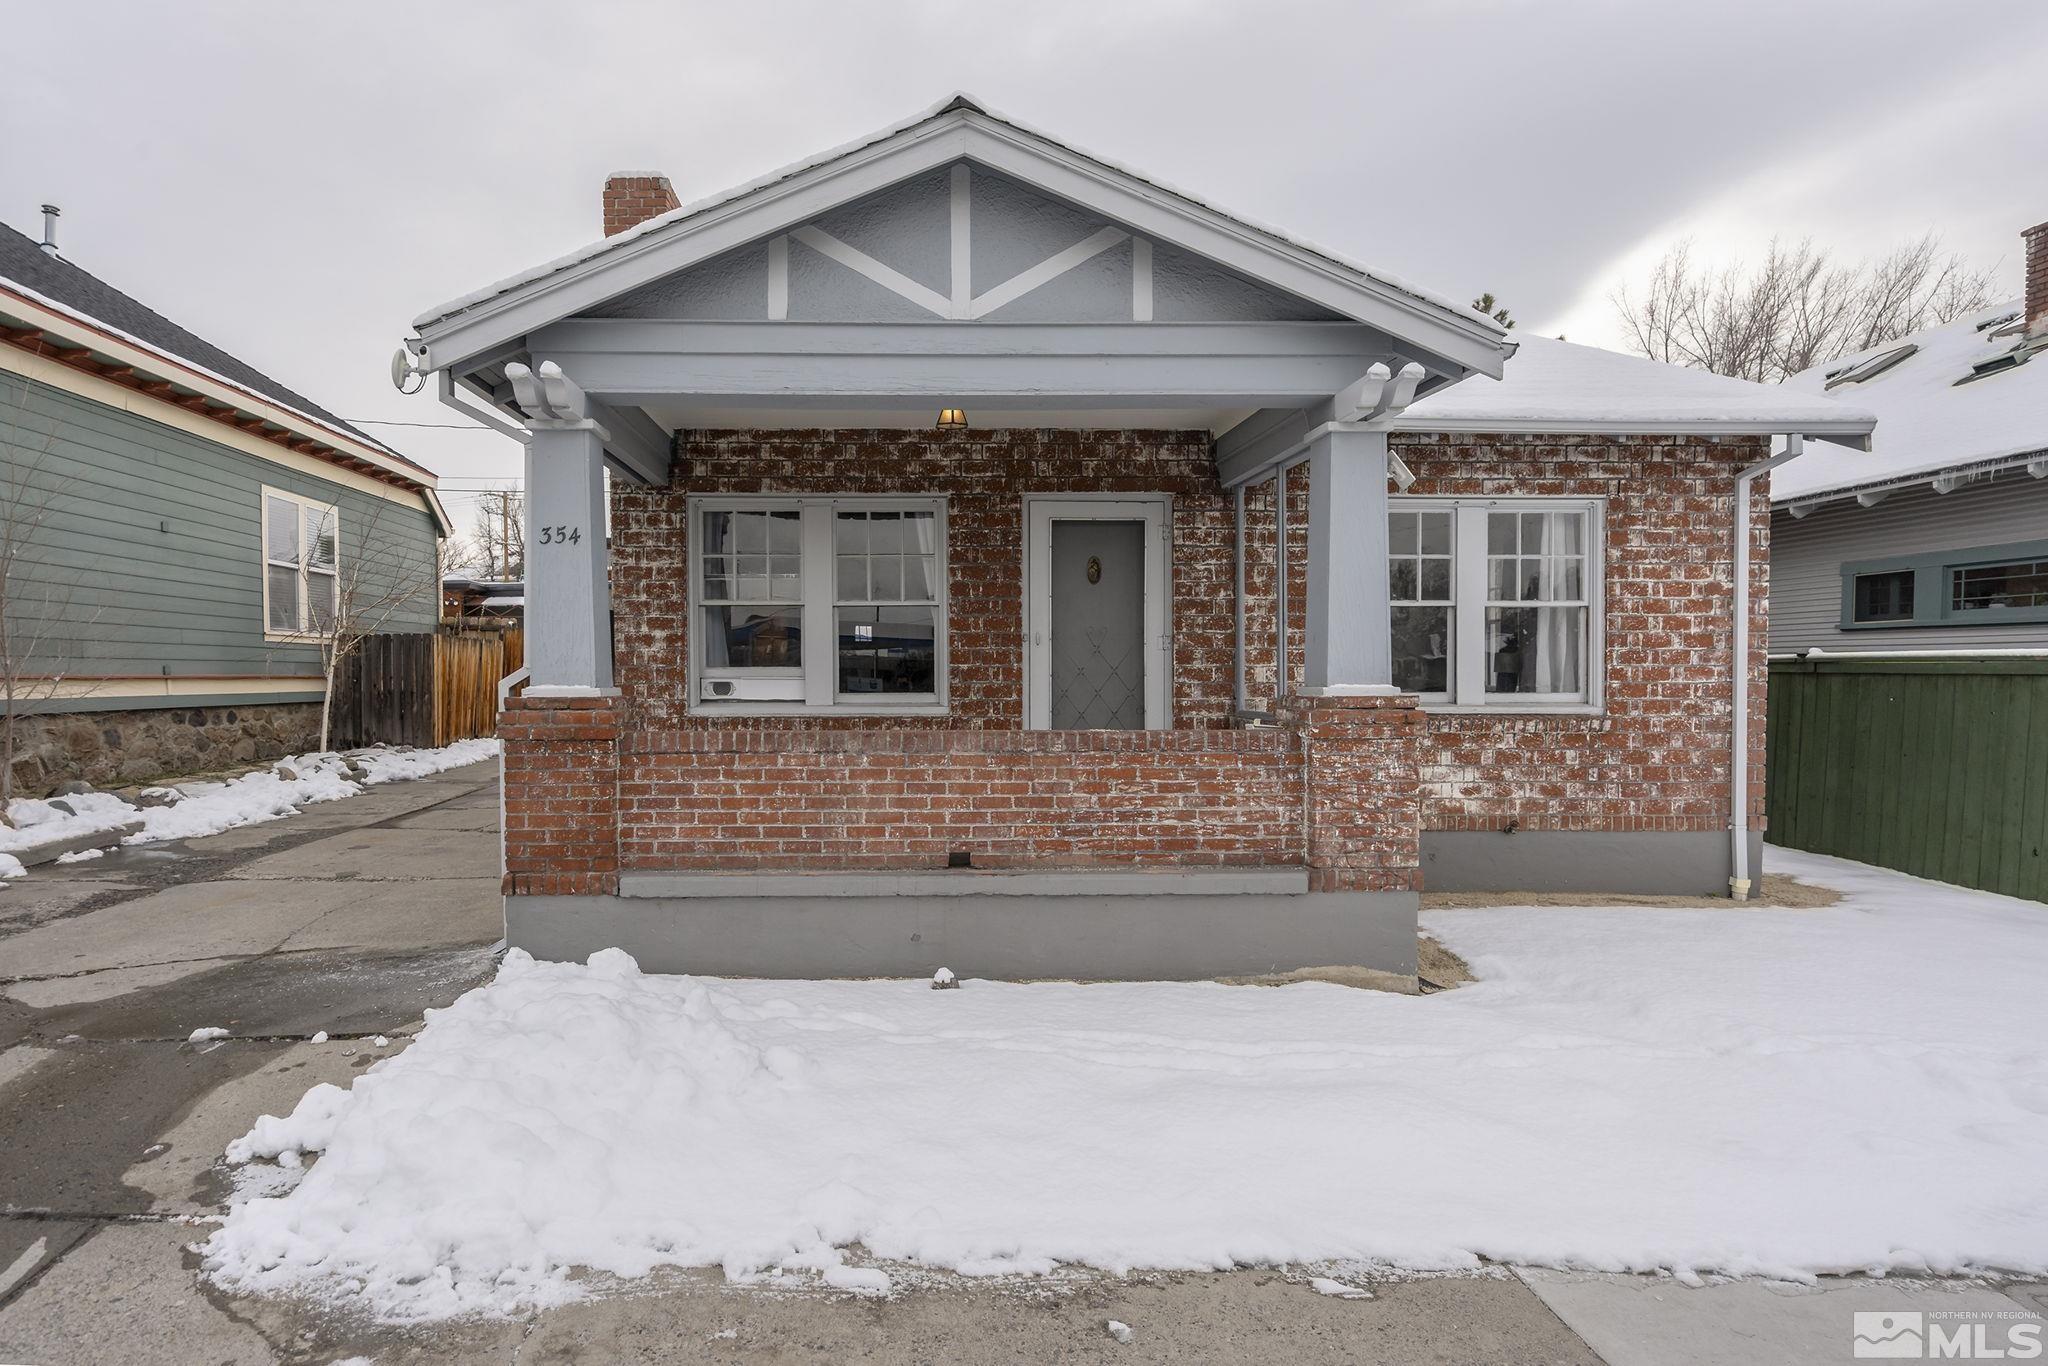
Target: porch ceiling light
952,417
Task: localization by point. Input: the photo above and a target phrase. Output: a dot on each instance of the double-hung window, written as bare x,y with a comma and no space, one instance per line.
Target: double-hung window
833,602
1494,601
301,565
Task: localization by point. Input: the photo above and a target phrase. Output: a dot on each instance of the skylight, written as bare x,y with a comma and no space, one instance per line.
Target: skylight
1872,367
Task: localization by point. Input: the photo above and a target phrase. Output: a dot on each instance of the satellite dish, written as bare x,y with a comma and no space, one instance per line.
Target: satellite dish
408,372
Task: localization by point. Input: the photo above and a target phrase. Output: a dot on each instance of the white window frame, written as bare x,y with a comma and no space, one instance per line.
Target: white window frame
1469,603
301,505
818,678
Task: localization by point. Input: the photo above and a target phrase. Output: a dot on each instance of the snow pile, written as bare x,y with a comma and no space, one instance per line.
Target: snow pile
395,765
1745,1091
38,822
207,808
10,866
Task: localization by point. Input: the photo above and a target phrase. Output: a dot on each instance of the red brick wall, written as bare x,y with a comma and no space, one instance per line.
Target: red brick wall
984,476
1359,755
1658,758
739,799
2036,239
561,794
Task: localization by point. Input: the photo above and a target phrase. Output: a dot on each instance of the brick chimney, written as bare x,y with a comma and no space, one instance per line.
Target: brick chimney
631,198
2036,239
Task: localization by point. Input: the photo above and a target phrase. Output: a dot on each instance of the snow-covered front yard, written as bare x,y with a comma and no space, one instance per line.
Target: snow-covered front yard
1781,1092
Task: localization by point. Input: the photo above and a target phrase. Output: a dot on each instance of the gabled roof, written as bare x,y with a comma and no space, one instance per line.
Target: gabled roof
1560,386
1937,410
956,128
54,280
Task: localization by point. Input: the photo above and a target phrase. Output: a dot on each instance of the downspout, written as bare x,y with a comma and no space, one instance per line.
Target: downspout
1738,768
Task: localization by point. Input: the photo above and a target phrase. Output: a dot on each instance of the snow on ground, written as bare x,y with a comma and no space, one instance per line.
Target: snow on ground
207,808
1781,1092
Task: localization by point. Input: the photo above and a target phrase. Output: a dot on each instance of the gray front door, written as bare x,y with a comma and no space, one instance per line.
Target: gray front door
1098,625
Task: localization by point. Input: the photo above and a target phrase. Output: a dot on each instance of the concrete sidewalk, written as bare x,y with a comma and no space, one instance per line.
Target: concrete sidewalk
356,916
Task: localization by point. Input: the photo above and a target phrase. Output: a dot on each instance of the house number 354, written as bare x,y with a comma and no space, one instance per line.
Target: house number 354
561,535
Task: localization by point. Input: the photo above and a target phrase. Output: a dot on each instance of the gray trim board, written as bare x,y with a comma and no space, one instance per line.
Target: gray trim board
66,706
636,361
1648,863
973,882
1105,938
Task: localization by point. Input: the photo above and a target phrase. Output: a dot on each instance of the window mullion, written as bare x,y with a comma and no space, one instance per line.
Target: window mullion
820,588
1468,617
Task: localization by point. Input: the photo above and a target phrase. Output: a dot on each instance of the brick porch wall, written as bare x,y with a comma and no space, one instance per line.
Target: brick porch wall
586,797
1658,759
738,799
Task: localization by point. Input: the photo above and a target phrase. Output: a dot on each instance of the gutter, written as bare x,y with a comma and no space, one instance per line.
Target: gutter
1739,882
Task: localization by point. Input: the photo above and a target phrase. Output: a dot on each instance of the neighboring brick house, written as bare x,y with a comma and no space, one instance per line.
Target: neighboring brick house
939,621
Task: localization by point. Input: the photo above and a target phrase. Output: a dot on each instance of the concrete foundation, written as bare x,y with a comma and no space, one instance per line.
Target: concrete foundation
1652,863
1170,935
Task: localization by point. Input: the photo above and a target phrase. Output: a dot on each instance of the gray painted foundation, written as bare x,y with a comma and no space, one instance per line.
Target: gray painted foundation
1158,935
1654,863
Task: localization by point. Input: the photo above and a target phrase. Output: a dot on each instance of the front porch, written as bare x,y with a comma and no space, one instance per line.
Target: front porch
806,852
935,556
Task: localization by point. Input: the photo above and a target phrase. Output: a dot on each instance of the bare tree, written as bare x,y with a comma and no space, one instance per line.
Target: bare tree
499,533
1796,308
36,588
372,584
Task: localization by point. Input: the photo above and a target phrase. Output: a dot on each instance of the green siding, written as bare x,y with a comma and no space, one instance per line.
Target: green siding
1936,767
151,555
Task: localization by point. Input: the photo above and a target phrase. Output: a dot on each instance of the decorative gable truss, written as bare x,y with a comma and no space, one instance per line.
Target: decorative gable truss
961,244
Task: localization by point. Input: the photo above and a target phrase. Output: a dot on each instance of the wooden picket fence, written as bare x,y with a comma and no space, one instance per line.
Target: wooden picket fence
423,689
1933,766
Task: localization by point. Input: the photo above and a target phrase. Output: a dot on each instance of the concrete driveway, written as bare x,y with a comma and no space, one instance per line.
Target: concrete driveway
355,917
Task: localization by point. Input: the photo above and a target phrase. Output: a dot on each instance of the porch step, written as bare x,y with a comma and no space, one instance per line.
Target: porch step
974,882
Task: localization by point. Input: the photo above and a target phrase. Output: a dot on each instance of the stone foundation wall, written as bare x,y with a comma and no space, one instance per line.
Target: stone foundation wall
120,748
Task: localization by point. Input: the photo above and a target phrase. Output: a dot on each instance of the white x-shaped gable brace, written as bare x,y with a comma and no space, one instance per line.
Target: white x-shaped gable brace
962,303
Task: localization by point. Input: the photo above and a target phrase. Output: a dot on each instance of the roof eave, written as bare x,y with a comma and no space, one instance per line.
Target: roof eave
958,129
1853,432
132,353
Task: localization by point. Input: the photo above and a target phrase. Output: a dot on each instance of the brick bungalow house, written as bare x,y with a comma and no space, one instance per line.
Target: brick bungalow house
946,618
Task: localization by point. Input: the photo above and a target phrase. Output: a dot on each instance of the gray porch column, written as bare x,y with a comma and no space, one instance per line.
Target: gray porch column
568,589
1347,651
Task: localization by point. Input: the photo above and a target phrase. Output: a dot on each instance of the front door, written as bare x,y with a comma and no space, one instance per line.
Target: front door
1098,625
1096,629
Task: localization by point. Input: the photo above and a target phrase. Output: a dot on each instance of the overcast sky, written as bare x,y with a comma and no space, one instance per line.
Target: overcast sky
296,182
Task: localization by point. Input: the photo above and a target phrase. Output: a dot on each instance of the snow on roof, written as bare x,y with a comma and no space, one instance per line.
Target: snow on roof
1559,382
958,101
1926,421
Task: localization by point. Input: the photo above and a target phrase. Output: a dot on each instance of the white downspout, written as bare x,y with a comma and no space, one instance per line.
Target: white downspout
1738,767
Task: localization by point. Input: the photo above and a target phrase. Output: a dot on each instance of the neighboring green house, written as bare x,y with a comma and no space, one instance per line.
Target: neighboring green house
177,534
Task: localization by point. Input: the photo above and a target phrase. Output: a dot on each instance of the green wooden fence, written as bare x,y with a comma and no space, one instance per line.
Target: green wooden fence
1937,767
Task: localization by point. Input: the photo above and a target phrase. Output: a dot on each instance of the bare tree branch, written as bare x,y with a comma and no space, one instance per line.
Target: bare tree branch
1795,309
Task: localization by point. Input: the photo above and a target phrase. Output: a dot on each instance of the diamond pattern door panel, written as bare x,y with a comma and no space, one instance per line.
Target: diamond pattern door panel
1098,625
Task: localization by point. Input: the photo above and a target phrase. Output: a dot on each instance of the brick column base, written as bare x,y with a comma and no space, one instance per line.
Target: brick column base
561,795
1364,790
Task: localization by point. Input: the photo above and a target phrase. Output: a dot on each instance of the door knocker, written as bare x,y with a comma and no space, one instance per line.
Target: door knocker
1095,569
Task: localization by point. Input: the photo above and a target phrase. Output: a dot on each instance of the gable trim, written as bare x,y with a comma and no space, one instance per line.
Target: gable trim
468,327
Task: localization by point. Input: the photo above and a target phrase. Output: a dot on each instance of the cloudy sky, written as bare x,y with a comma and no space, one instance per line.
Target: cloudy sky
296,182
